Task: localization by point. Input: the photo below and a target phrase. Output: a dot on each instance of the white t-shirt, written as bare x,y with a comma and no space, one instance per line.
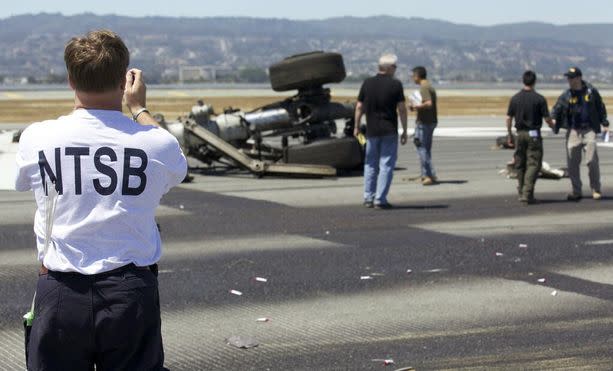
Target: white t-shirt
111,173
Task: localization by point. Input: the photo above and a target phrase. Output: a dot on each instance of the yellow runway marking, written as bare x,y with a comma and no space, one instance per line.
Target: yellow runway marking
13,95
178,94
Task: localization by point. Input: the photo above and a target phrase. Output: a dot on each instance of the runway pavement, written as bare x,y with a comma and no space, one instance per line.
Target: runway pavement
474,297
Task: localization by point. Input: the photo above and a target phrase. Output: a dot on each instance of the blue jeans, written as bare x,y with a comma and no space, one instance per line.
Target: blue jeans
425,133
381,156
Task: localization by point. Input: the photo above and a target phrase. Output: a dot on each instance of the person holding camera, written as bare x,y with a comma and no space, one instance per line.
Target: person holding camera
97,301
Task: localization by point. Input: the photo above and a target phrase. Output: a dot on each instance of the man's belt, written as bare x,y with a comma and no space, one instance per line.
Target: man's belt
153,268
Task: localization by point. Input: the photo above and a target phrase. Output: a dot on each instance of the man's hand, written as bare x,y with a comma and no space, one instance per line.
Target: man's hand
135,93
510,141
551,122
404,138
605,129
412,107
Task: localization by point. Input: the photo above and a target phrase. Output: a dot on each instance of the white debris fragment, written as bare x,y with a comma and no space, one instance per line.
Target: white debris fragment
387,361
499,254
523,246
236,292
436,270
541,280
263,319
327,233
409,271
366,277
530,274
377,274
181,207
261,279
517,260
554,293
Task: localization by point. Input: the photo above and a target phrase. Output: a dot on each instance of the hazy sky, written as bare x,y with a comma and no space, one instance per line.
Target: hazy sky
481,12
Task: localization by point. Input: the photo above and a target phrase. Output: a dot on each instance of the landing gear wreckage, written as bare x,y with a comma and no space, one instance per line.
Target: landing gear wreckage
293,137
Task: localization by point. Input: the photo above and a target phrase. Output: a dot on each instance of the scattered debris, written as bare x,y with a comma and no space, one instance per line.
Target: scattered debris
263,319
554,293
243,342
541,280
406,369
409,271
499,254
547,172
181,207
386,362
261,279
530,274
436,270
377,274
327,233
365,277
17,135
236,292
523,246
516,260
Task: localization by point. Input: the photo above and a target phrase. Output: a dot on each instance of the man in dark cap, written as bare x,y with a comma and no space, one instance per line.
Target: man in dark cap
581,111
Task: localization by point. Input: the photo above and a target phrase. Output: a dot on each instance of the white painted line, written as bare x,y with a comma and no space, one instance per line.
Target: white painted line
466,132
599,242
8,150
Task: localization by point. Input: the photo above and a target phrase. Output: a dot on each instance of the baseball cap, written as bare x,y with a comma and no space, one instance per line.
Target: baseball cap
573,72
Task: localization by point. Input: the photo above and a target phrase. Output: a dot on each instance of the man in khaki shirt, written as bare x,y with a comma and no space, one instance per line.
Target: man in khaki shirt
425,124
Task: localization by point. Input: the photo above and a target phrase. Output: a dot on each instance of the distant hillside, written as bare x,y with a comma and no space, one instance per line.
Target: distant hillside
32,45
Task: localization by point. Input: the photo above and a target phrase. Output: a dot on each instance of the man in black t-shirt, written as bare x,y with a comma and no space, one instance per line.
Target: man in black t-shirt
381,99
528,109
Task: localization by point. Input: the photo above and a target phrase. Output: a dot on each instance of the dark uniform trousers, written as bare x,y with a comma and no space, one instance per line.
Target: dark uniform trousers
528,162
109,320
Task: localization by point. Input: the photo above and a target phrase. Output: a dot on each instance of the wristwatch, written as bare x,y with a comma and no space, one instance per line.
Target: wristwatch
137,113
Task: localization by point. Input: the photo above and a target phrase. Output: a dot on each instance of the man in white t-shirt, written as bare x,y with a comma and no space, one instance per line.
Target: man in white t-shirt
97,301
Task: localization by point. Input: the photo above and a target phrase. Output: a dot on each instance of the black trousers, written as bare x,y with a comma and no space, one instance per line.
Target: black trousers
528,162
109,320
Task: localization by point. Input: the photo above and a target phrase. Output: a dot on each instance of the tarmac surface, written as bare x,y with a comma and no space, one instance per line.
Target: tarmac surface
474,299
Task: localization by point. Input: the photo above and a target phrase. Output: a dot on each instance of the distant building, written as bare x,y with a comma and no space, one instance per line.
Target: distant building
16,80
